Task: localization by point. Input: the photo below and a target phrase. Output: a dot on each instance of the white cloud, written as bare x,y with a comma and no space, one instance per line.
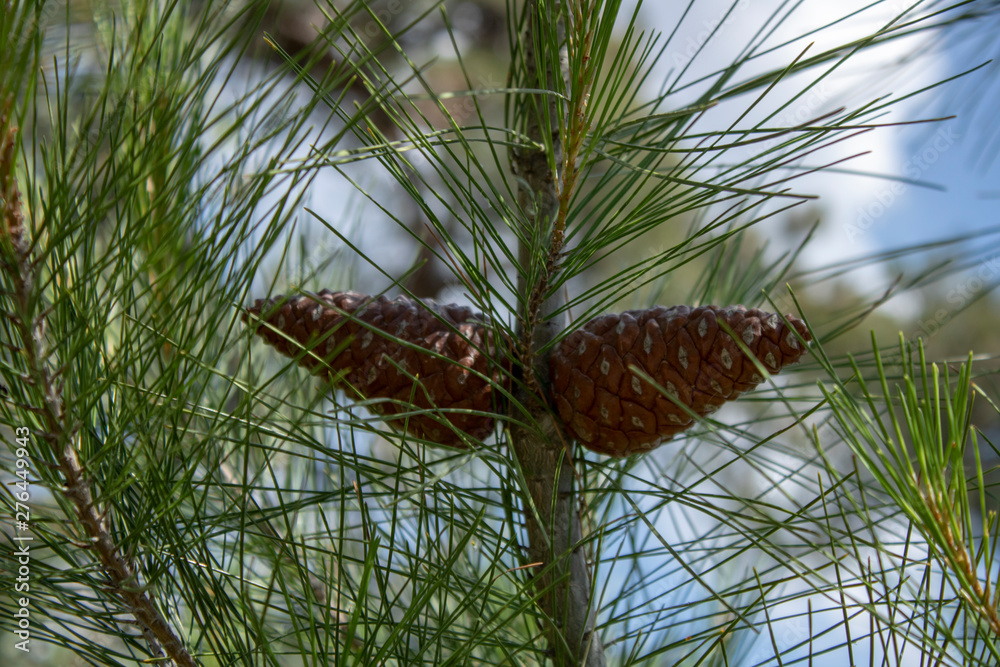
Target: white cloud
709,39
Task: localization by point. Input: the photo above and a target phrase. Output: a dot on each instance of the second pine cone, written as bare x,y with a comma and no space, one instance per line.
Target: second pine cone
613,411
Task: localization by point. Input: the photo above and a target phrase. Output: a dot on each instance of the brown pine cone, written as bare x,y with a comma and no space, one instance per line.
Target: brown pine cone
613,411
356,341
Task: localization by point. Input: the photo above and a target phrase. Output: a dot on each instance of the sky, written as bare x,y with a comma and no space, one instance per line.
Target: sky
947,192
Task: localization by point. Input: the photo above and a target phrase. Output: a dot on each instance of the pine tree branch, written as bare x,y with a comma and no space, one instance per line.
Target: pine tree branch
544,453
956,555
16,262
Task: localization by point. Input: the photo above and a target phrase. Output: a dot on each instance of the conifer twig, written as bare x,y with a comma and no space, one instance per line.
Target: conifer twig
544,453
19,268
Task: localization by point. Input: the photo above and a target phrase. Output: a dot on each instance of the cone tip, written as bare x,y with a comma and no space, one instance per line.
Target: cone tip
256,309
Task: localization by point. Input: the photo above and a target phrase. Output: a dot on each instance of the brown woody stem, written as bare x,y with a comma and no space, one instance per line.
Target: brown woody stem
552,517
956,555
60,435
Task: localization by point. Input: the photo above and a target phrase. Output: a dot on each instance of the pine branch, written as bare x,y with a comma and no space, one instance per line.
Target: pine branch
59,433
544,453
914,447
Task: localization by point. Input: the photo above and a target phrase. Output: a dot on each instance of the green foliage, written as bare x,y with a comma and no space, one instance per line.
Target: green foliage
914,437
165,179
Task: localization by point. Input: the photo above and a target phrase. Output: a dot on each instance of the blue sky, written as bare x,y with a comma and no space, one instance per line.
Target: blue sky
942,154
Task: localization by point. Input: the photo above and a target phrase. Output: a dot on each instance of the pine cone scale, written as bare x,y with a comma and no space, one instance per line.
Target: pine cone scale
598,383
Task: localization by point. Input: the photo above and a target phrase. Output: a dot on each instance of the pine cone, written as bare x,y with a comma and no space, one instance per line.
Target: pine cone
355,340
613,411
